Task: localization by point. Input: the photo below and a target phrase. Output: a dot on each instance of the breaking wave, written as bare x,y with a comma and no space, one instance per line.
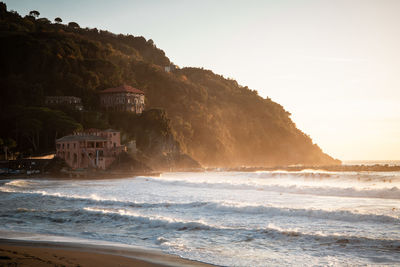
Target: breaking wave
155,221
20,183
165,224
223,208
348,241
366,192
341,215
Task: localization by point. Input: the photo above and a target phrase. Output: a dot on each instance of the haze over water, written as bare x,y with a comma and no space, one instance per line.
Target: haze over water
225,218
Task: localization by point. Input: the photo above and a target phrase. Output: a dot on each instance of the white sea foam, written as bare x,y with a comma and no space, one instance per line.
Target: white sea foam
156,221
238,208
20,183
95,197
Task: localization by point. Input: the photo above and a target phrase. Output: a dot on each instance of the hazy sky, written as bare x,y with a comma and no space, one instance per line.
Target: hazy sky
335,65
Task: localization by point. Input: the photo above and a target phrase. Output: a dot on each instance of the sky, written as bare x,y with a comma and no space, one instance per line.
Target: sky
334,65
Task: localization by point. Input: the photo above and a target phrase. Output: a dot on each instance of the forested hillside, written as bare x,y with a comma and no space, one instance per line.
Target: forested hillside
211,118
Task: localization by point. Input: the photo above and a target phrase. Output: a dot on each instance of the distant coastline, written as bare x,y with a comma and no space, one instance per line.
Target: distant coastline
371,162
372,166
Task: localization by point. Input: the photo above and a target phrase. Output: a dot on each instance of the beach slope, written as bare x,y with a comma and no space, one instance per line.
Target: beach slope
46,253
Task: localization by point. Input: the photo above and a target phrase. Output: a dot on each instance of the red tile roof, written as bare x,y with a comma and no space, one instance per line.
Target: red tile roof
122,89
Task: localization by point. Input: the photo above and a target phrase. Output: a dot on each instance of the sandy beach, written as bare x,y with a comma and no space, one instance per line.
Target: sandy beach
47,253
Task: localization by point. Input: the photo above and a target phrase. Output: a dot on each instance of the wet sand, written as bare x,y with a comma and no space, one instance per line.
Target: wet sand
47,253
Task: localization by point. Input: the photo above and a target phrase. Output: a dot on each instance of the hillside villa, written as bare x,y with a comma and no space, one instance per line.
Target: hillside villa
90,149
71,101
122,98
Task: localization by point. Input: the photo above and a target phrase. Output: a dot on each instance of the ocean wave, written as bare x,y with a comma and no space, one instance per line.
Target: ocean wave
271,232
335,185
359,192
95,197
284,174
155,221
307,175
349,241
20,183
340,215
110,217
224,207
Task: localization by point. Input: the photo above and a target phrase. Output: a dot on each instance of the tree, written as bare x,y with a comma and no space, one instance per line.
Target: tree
44,21
34,13
38,127
30,129
58,20
3,8
73,25
7,144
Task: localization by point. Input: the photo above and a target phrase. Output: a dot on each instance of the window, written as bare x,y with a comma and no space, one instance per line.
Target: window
74,145
68,146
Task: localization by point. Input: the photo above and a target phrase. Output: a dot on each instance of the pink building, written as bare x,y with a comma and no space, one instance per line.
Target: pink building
90,149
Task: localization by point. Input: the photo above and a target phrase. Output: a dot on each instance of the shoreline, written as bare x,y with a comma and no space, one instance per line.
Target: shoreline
19,251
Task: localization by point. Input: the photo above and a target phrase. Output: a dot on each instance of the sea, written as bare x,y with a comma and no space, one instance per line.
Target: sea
265,218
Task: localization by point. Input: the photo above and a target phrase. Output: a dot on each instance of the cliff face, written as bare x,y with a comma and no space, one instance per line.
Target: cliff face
212,119
221,123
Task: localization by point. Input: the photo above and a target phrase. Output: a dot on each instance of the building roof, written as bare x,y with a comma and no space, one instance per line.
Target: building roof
62,97
81,138
110,130
94,131
122,89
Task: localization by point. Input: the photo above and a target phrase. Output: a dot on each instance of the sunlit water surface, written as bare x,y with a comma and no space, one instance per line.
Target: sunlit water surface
224,218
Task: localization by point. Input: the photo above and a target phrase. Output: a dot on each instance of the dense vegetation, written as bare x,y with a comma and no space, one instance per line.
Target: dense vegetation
213,119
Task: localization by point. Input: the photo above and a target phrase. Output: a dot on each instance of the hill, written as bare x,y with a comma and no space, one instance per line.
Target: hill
213,119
